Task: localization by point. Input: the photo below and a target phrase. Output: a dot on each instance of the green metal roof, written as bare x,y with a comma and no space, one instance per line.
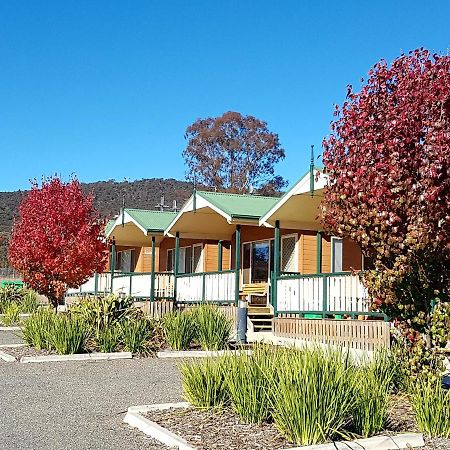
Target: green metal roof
239,205
151,220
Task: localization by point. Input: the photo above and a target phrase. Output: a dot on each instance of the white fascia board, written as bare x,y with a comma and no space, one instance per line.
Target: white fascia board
301,187
200,202
126,219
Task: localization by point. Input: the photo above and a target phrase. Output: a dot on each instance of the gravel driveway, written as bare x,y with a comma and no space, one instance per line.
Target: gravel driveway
72,405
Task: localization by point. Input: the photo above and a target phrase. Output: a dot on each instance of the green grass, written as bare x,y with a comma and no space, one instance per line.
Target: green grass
68,334
109,338
431,404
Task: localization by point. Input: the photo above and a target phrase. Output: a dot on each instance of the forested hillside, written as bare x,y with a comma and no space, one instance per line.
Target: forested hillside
109,196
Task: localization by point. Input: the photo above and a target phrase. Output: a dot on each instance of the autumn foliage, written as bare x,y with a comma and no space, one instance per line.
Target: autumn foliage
57,241
233,153
388,160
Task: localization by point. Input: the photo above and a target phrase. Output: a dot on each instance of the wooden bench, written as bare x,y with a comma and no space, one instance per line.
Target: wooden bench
254,290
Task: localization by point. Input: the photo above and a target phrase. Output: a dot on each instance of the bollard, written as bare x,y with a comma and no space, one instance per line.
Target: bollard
242,322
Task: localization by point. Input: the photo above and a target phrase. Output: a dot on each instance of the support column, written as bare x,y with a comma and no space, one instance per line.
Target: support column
152,279
237,262
276,264
319,252
219,255
176,262
112,262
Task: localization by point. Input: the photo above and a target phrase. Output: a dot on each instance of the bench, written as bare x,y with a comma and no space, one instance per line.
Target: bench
254,290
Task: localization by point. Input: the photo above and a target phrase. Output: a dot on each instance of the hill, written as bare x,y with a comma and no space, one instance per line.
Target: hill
109,195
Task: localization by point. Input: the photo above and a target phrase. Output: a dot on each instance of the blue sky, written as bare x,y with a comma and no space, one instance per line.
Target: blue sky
106,89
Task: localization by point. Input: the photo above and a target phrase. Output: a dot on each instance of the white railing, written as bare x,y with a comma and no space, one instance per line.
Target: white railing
99,283
341,292
206,287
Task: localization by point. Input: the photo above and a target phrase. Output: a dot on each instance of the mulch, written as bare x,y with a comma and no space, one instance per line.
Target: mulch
215,429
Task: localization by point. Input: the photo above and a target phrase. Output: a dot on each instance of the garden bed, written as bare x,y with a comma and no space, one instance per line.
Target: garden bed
19,352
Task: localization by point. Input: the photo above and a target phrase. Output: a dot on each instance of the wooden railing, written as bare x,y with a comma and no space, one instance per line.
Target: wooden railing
327,295
217,287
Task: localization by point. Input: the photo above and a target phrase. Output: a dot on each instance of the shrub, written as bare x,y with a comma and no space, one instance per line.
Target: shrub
25,298
204,382
37,328
431,404
248,380
29,303
179,329
314,395
109,338
372,390
212,325
68,334
10,314
136,334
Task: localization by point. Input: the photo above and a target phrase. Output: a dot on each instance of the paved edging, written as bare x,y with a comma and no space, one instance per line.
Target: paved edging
96,356
13,345
199,353
7,358
134,417
10,328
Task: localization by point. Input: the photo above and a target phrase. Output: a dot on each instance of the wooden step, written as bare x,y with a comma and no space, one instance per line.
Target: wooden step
259,310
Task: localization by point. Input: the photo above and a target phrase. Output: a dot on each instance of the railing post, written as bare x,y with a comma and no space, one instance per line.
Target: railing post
152,276
237,264
219,255
175,269
112,263
319,252
324,295
276,262
131,278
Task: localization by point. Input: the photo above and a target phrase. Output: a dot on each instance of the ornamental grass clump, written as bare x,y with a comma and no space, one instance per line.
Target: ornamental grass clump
37,328
68,334
136,334
372,393
204,383
29,303
179,329
212,325
109,338
10,315
314,395
248,380
431,404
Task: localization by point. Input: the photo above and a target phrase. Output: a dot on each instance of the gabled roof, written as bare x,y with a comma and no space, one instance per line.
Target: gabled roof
109,225
307,184
239,205
146,220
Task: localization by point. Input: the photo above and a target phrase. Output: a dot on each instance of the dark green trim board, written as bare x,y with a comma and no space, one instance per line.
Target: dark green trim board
319,252
276,262
113,263
238,262
219,255
152,282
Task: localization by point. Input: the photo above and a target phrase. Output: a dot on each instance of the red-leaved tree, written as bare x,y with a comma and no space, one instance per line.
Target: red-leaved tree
57,241
388,160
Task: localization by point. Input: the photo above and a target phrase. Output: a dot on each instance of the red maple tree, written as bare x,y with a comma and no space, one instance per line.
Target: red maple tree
57,241
388,160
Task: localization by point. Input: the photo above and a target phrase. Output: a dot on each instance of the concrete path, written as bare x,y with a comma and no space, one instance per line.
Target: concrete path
72,405
10,337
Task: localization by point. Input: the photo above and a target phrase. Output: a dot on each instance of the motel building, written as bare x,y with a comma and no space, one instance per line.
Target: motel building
223,247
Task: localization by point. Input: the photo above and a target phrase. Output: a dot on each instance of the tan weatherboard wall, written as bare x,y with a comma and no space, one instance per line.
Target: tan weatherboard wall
142,258
210,253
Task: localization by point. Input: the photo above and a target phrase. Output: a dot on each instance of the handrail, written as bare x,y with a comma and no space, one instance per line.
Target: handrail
297,275
199,274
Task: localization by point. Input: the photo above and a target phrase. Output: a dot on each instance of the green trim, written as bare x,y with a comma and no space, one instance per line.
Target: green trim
353,314
112,264
237,267
176,261
319,252
276,263
152,280
324,294
295,275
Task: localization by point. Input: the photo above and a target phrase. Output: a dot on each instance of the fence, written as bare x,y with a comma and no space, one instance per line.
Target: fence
206,287
324,294
8,273
358,334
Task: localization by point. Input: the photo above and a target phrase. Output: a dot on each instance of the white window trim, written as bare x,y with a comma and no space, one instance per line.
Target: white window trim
201,256
294,235
335,238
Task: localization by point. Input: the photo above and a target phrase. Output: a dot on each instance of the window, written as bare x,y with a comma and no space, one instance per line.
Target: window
336,254
190,259
289,260
125,261
257,261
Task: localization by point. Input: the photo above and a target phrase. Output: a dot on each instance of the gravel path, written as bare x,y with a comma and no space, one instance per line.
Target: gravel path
71,405
10,337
